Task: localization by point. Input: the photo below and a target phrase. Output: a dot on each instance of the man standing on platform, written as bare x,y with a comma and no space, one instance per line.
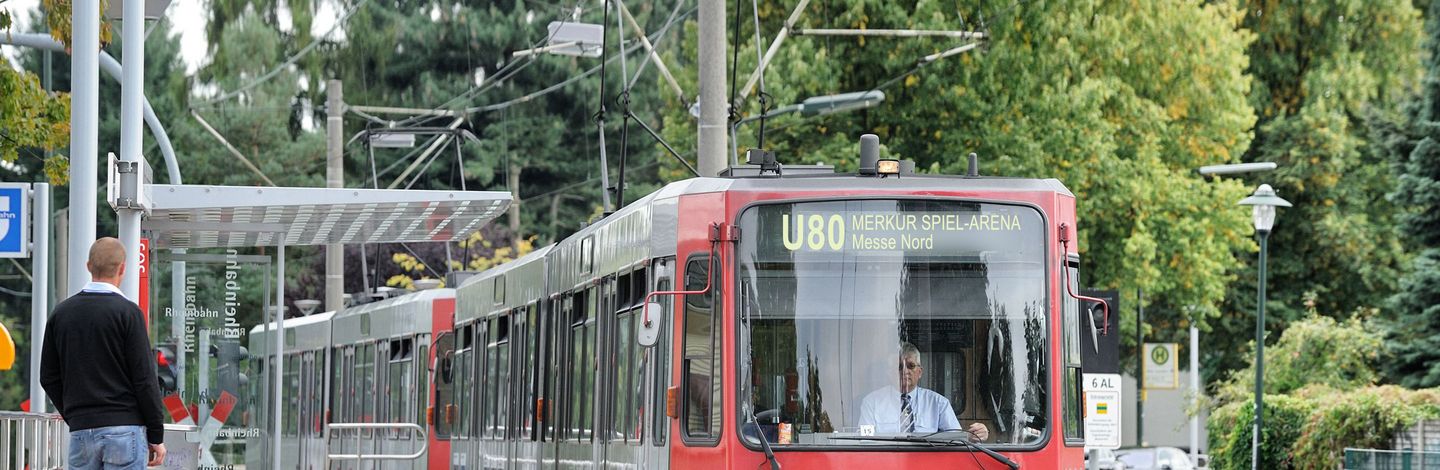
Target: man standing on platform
96,366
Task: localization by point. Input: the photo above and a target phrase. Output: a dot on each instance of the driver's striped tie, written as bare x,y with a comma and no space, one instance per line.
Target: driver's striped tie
907,415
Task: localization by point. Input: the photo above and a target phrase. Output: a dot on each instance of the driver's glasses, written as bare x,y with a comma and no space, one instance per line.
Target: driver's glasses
911,365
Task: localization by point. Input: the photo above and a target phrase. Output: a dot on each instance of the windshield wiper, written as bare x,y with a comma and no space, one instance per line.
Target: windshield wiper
938,438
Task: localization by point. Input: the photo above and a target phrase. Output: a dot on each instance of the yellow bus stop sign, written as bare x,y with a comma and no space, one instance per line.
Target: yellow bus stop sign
7,349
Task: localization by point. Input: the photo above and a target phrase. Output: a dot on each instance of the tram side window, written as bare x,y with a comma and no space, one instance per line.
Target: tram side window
464,372
553,364
531,381
582,366
701,411
366,385
444,411
401,356
336,374
292,395
1073,400
500,362
629,376
317,393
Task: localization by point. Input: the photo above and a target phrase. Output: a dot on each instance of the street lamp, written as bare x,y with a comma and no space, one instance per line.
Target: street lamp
1264,201
810,107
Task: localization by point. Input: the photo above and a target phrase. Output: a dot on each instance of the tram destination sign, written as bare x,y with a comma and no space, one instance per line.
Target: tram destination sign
991,227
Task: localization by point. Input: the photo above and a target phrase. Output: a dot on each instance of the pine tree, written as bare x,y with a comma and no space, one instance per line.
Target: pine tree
1416,334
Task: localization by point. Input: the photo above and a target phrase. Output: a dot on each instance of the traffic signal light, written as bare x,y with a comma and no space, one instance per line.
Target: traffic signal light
228,375
165,368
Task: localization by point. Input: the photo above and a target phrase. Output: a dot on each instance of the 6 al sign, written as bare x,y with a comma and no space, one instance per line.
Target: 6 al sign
1102,411
14,220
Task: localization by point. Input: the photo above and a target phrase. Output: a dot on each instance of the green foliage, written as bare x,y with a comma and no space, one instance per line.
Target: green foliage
30,117
1232,430
1319,71
1366,418
1317,350
1320,397
59,16
1414,148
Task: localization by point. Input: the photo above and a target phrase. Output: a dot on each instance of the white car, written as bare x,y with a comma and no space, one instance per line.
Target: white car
1104,459
1155,458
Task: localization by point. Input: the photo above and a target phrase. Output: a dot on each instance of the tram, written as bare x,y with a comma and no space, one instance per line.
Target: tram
774,315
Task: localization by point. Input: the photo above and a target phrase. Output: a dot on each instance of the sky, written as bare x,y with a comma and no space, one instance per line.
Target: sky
187,18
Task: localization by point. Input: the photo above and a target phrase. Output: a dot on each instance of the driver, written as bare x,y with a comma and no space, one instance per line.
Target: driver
910,408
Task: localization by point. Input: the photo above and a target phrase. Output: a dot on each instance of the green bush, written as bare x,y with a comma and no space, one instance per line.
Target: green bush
1367,418
1285,418
1311,428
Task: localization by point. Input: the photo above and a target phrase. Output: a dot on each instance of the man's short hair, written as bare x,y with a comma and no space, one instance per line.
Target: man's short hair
909,350
107,255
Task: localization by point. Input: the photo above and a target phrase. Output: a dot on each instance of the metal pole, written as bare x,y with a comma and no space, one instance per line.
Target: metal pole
711,139
132,91
279,366
1195,389
178,316
1140,368
84,137
39,290
1259,359
334,178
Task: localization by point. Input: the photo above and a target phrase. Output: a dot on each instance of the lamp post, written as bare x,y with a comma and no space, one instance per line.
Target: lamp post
1263,202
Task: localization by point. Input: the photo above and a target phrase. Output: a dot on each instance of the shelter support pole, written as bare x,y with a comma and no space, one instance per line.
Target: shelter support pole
278,366
40,292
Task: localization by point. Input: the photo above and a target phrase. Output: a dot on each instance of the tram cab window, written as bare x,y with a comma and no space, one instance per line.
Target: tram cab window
848,311
700,412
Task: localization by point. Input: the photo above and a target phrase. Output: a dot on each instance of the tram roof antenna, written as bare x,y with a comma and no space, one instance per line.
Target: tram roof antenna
973,170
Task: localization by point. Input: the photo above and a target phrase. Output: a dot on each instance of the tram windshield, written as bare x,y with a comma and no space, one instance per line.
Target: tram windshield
891,317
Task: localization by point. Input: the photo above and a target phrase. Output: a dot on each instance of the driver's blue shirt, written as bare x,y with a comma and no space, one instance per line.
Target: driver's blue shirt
932,412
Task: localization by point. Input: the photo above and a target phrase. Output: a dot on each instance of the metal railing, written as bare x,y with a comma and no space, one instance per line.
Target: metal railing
1381,459
33,440
359,456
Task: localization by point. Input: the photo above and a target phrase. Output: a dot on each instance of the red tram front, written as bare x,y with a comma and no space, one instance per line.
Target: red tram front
869,322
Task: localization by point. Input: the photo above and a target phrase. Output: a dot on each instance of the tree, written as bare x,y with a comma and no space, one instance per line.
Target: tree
1414,149
1319,71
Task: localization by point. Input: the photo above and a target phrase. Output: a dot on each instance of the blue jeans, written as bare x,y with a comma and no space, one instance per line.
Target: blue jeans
109,448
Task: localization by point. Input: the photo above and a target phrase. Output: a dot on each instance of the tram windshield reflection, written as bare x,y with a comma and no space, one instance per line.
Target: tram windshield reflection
831,292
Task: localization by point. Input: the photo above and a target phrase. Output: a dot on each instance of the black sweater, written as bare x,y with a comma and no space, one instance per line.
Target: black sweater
97,367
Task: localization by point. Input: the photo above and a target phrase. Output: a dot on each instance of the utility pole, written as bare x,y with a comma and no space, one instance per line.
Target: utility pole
84,138
132,95
334,178
1140,368
711,144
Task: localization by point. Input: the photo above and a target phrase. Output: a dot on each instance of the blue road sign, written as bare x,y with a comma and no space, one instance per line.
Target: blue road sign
14,220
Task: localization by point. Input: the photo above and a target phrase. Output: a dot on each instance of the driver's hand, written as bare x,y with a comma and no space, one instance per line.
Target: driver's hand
980,432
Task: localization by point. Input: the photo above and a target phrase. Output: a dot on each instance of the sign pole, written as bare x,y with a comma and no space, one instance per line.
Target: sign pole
39,290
